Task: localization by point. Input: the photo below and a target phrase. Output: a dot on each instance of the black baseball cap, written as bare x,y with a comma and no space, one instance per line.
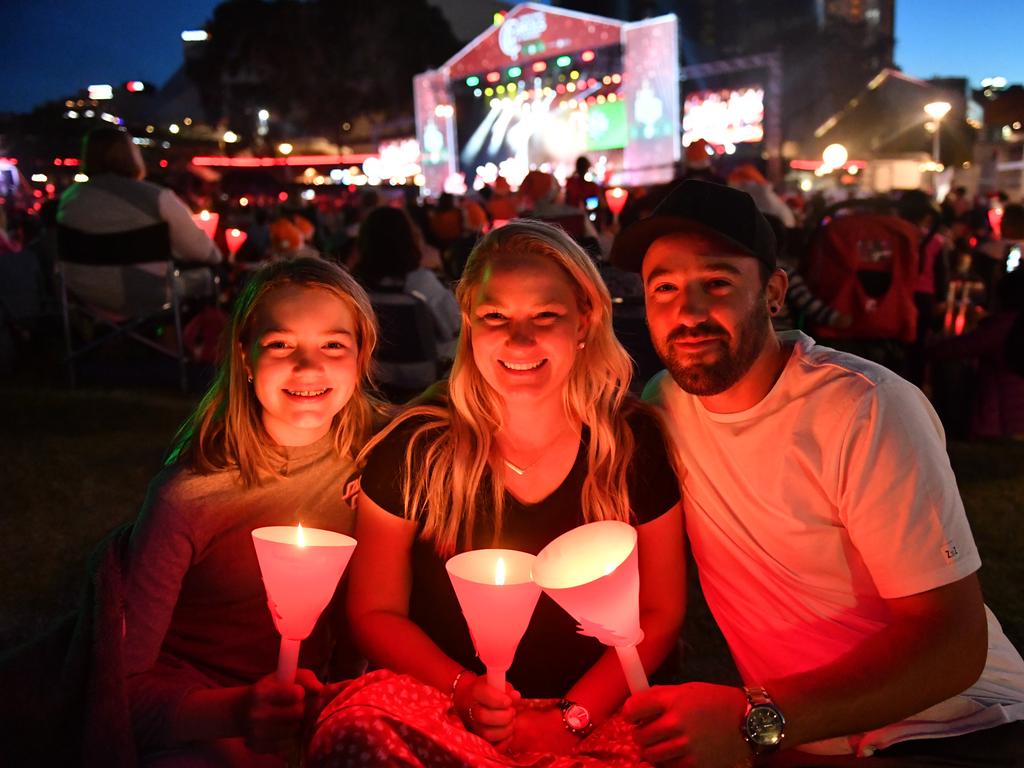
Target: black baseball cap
700,207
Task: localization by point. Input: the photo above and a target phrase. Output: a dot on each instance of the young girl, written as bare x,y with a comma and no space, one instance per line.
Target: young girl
534,436
271,443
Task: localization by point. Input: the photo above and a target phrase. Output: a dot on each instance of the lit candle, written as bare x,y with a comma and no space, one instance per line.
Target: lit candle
234,238
497,596
301,569
592,572
616,199
207,222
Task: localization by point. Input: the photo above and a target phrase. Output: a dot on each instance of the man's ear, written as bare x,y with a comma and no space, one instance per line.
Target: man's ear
775,290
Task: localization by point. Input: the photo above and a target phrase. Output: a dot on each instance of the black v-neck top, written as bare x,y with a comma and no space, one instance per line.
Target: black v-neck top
551,656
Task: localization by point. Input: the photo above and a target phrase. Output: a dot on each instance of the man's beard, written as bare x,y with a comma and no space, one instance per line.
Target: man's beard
712,378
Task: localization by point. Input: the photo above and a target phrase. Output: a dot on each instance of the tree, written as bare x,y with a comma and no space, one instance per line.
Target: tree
317,64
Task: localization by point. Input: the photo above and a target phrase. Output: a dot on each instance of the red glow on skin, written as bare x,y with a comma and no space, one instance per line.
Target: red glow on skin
522,315
305,342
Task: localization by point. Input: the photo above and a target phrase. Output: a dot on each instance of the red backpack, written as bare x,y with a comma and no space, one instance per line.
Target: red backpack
865,265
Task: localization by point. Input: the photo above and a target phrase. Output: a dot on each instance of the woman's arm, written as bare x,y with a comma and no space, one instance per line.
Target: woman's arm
378,609
662,563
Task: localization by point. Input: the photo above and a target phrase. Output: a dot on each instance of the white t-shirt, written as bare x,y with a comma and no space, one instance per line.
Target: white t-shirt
810,509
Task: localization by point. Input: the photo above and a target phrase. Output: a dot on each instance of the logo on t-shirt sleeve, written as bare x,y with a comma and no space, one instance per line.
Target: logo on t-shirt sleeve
950,551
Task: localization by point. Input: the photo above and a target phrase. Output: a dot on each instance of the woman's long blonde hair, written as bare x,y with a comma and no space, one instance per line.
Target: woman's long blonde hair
455,439
226,429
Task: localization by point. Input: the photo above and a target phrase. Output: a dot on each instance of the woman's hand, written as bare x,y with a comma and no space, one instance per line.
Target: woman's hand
541,729
485,711
274,713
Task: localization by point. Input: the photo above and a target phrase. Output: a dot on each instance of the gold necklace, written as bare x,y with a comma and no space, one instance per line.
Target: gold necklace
523,470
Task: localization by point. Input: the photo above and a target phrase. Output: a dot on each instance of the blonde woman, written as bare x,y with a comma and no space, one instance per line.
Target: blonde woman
533,436
271,443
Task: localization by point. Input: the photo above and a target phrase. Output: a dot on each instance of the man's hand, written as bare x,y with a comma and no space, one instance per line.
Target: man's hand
696,725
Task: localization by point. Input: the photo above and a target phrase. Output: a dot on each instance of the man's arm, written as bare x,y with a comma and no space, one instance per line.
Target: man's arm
934,648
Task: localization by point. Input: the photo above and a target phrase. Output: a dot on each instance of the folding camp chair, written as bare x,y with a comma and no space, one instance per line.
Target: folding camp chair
124,282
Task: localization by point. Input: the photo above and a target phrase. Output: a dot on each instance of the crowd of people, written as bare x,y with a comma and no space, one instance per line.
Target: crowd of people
810,484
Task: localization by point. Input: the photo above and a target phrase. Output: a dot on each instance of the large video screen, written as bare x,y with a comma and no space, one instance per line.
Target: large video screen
724,116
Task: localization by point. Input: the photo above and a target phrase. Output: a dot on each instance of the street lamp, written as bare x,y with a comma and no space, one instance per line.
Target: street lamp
835,156
937,110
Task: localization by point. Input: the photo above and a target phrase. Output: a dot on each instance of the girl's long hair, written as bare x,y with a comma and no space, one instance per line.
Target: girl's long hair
455,439
226,429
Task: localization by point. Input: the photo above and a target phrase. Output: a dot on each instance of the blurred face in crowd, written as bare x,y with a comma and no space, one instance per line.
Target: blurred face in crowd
303,360
707,309
526,325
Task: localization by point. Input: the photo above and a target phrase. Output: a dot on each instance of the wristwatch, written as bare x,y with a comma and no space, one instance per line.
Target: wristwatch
576,718
764,727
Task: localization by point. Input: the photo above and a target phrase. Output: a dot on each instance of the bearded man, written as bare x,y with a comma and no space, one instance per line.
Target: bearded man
825,521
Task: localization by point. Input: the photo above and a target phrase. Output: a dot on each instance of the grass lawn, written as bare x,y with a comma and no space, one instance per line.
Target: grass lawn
76,464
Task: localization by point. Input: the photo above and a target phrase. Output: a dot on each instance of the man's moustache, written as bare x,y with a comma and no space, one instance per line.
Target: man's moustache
702,331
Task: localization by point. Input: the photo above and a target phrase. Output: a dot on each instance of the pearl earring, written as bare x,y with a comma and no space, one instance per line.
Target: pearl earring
250,378
581,345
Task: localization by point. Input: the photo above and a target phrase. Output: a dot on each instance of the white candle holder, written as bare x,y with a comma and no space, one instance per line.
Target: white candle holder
301,568
497,596
592,572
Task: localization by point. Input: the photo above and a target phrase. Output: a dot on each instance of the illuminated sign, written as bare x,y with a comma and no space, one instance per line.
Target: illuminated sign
98,92
520,29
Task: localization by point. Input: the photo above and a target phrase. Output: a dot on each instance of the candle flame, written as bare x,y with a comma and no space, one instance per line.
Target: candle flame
235,232
204,215
499,571
300,538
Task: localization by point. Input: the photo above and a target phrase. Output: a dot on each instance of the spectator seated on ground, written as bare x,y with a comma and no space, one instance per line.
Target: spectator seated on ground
447,222
540,193
287,241
997,344
502,204
116,199
391,260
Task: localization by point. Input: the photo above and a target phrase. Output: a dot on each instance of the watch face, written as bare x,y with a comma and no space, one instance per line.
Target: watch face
764,726
577,717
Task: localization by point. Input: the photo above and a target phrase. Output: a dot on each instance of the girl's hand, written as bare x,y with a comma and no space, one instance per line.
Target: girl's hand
273,713
541,729
486,712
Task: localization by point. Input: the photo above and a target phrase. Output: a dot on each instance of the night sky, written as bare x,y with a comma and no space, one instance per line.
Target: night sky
53,48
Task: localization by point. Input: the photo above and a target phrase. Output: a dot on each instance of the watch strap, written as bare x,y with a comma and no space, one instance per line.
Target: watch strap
758,697
572,723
